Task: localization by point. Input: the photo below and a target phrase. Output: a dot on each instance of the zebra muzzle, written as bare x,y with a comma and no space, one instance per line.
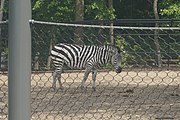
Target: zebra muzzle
118,70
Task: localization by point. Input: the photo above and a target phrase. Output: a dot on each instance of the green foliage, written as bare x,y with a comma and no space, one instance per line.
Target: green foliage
98,10
130,51
56,10
53,10
170,9
123,45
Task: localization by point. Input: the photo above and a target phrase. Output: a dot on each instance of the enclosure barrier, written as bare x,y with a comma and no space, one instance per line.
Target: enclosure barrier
147,88
142,91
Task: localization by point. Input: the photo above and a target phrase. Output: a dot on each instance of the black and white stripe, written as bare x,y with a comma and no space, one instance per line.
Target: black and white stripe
83,56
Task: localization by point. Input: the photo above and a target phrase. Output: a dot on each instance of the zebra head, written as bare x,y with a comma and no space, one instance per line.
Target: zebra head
116,59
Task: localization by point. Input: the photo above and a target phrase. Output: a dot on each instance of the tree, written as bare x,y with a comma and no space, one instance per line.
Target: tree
1,18
1,9
156,32
79,16
111,31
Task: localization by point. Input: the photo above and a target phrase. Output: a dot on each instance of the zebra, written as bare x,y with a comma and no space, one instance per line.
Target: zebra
88,57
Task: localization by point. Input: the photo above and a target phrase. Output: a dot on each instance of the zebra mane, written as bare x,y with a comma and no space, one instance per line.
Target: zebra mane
107,46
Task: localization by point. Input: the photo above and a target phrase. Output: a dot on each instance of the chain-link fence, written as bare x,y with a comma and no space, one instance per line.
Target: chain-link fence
3,70
147,88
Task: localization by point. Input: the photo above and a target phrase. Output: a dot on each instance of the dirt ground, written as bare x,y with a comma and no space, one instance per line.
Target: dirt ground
130,95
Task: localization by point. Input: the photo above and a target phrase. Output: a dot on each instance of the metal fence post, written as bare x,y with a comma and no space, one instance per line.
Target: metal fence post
19,60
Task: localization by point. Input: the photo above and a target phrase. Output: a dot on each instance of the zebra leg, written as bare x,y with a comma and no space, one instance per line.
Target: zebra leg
57,76
94,74
59,80
86,74
55,73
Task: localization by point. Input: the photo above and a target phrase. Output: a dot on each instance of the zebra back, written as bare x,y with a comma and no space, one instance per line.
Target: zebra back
77,56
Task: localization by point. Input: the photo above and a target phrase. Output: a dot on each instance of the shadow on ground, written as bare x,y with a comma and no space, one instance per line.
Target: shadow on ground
122,101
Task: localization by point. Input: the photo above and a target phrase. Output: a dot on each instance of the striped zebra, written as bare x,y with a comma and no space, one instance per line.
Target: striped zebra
89,57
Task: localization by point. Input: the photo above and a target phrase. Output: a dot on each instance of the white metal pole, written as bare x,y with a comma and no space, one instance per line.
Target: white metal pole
19,44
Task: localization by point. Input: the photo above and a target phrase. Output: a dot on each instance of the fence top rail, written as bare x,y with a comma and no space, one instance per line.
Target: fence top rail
102,26
128,21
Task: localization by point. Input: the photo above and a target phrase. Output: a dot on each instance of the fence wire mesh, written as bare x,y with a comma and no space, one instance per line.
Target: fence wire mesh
144,90
3,70
147,88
